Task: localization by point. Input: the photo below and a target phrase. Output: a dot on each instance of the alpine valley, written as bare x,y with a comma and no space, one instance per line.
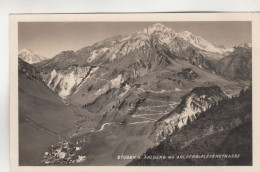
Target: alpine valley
130,95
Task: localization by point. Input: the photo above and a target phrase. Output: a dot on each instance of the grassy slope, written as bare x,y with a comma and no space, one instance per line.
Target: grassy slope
42,119
102,148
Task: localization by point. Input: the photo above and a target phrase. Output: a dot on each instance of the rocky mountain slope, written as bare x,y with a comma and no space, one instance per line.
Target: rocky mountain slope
221,132
237,64
66,81
198,100
151,49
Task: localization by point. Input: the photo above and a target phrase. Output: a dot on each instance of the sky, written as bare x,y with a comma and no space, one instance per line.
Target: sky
50,38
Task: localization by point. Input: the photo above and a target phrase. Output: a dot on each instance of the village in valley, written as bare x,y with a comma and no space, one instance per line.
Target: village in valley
65,152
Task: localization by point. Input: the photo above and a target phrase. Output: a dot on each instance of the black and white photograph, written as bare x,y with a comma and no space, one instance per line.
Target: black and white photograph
134,93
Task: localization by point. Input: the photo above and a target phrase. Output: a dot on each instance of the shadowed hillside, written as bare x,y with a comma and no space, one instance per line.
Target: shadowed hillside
43,117
225,128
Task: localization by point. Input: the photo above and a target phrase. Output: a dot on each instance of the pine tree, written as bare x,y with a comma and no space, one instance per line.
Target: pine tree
242,92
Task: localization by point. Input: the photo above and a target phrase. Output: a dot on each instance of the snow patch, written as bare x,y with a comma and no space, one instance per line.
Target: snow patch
127,88
177,89
117,81
102,90
201,43
93,56
53,74
112,58
96,54
80,158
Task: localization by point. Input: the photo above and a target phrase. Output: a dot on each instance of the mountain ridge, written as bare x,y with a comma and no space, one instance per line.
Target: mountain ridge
30,57
164,41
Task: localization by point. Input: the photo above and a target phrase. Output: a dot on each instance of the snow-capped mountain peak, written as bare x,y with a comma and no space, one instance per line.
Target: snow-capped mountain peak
30,57
164,32
150,29
25,51
158,27
201,43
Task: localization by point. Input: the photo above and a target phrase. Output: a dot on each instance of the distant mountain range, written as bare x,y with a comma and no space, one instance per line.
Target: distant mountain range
30,57
156,77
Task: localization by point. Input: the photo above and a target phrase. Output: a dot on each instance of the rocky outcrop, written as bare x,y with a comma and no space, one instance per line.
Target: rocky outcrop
65,81
193,103
188,74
